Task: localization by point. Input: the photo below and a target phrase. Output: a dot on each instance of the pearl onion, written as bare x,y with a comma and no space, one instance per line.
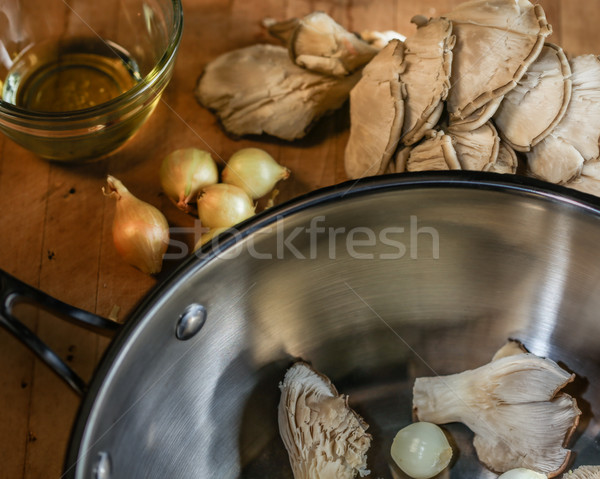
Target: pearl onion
255,171
522,473
421,450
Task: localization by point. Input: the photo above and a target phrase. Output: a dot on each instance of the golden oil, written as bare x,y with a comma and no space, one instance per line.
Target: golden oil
69,75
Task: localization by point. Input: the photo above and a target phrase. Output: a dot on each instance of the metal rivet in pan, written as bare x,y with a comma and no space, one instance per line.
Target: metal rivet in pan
102,467
191,321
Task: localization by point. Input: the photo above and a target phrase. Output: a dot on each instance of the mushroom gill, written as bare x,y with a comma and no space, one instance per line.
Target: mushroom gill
584,472
324,437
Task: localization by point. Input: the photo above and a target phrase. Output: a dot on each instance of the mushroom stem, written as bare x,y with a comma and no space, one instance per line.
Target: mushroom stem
514,407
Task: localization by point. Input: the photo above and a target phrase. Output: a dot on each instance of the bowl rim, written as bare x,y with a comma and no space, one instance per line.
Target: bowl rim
12,114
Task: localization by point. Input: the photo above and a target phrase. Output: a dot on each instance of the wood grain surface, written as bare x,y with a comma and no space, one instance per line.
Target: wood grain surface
56,224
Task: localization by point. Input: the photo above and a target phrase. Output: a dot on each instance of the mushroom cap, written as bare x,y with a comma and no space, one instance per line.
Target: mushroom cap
324,438
476,149
258,89
536,105
376,114
559,158
479,117
426,77
436,152
319,43
513,405
580,125
589,181
555,160
481,71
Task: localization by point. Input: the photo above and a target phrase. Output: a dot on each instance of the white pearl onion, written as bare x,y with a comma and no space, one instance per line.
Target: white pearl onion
421,450
522,473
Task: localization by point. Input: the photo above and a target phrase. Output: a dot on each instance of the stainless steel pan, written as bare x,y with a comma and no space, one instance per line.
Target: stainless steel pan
375,282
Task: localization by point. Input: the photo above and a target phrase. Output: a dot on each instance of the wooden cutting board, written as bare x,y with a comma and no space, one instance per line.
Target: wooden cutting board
56,224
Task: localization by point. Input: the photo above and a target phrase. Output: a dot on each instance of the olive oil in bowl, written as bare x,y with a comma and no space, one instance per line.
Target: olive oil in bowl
69,75
66,94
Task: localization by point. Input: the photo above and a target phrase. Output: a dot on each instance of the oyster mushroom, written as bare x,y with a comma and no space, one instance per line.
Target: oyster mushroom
477,149
559,158
319,43
589,181
325,439
507,161
258,89
479,117
534,107
426,76
581,123
496,41
555,160
434,153
510,348
513,405
584,472
376,114
398,163
379,39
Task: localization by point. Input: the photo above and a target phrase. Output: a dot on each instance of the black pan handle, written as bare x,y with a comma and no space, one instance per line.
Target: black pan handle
13,291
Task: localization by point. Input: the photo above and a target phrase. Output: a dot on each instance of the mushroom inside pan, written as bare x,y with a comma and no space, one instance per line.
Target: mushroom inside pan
323,436
513,404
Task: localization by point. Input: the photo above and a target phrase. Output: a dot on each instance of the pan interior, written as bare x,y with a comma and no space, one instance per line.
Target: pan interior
374,290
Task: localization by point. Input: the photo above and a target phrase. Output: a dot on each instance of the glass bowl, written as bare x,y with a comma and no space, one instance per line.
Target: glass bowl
79,78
